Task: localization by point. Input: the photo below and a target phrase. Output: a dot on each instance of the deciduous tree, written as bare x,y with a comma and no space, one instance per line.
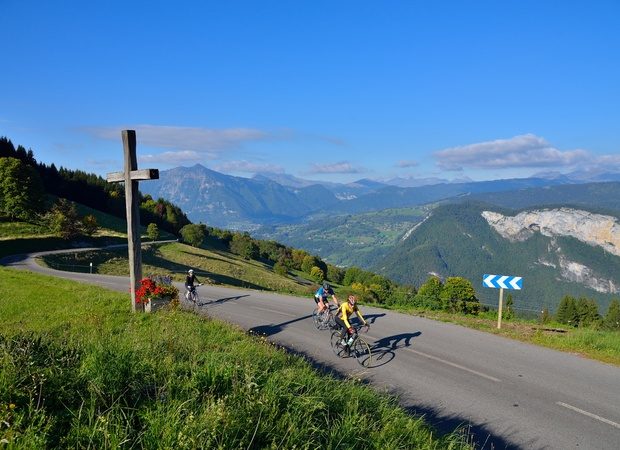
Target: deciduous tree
152,231
193,235
429,294
63,219
89,224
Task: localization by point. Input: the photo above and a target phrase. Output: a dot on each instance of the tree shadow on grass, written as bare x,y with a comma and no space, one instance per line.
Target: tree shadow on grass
202,255
155,259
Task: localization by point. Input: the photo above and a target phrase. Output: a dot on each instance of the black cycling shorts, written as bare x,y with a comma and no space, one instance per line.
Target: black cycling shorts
316,300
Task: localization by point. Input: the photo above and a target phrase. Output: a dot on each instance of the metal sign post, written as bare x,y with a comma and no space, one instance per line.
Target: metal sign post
499,308
502,282
130,177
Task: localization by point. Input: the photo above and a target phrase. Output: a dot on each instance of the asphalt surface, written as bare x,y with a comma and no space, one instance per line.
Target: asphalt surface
508,394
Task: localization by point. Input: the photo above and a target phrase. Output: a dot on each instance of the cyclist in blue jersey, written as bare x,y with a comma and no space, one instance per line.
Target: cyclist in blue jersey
321,297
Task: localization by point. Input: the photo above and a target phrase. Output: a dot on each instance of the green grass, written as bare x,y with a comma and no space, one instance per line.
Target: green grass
227,269
25,237
78,370
11,230
174,259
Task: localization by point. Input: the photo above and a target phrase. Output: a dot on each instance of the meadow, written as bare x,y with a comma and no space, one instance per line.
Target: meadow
78,370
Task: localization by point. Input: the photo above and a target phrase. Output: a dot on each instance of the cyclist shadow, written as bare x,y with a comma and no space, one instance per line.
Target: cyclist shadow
372,318
222,300
271,329
383,349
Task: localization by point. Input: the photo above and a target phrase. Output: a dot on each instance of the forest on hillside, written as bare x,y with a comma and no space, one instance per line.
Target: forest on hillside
84,188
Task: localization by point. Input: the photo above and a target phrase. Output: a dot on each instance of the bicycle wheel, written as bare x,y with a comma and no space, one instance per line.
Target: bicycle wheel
316,318
331,321
339,349
361,351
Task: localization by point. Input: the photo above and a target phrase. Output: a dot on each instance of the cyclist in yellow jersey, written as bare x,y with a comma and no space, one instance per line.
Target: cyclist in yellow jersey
345,311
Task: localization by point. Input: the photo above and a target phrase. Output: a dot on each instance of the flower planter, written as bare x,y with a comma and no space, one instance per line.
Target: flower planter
157,303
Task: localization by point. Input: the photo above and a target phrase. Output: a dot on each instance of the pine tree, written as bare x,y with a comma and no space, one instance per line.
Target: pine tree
567,311
587,312
21,189
612,318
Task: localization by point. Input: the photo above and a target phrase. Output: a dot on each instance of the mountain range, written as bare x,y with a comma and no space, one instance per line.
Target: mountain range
246,204
411,232
558,251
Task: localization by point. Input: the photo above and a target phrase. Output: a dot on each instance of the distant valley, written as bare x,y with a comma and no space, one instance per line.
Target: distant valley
407,233
248,203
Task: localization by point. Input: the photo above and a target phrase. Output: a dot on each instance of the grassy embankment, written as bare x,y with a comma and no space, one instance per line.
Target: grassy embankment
78,371
24,237
227,269
220,267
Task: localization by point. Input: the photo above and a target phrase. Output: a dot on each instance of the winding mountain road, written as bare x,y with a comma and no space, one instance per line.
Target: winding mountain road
508,393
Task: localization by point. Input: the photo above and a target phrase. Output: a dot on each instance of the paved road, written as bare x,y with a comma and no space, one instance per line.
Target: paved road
511,394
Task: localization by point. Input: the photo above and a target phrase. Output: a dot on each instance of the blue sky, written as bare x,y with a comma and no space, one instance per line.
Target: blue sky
326,90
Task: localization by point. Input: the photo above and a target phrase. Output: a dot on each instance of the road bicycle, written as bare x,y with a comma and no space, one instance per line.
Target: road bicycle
358,348
192,295
323,320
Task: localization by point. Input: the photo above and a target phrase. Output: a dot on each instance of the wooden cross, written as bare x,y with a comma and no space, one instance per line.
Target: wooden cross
130,177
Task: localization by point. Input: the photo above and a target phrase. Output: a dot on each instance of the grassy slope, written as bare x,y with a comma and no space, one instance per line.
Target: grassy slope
23,237
227,269
83,372
222,267
174,259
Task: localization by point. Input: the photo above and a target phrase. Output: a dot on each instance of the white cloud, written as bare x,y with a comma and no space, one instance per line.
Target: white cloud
201,140
172,158
526,150
406,163
248,167
606,162
339,167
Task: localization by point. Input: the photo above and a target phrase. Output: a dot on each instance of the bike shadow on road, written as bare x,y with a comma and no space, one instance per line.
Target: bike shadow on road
383,349
372,318
222,300
271,329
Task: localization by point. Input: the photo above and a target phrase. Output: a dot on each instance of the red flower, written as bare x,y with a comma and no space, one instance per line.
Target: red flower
149,289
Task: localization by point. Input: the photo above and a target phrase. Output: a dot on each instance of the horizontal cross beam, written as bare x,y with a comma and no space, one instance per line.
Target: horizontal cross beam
135,175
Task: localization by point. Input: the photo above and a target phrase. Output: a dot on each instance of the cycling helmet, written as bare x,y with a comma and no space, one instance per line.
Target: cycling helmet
190,271
326,285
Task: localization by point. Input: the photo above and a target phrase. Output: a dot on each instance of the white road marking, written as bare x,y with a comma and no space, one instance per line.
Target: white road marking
274,311
458,366
589,414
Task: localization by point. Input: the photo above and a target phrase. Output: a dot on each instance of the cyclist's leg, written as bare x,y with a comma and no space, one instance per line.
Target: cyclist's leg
342,328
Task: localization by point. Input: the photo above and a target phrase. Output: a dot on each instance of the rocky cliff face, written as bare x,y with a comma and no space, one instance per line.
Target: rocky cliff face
593,229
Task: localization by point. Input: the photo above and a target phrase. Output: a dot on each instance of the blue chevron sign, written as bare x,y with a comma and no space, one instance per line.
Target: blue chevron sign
502,282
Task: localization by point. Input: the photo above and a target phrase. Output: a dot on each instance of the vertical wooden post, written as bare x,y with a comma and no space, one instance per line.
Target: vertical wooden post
133,215
499,310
